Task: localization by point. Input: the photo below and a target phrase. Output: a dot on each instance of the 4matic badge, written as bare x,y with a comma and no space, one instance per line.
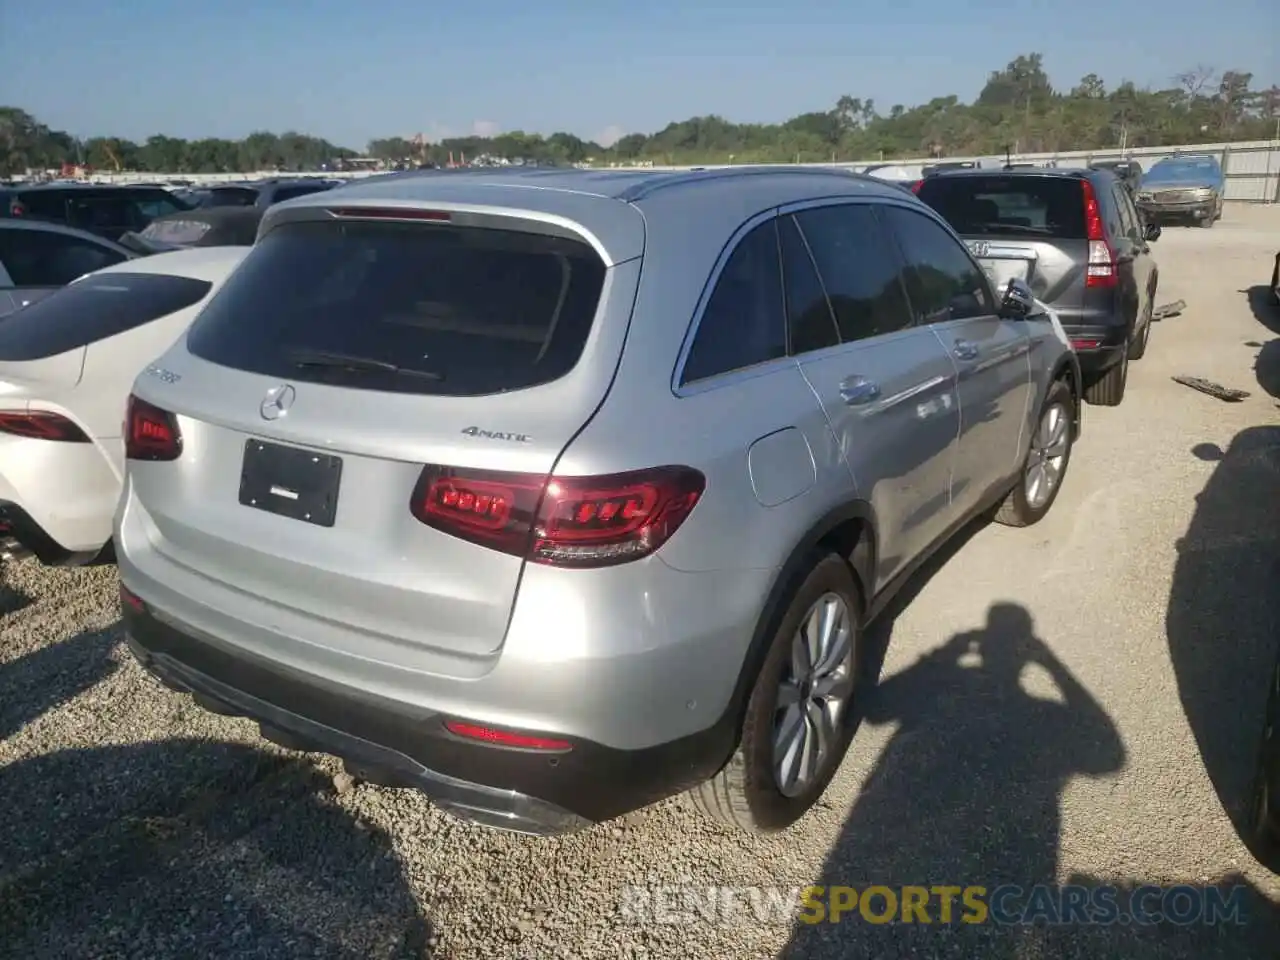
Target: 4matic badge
497,435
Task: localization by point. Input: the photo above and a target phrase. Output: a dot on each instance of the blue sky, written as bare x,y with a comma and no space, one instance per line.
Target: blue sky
350,71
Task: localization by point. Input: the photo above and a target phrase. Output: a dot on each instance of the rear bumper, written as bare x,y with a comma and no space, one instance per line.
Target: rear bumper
1098,347
58,496
401,745
20,536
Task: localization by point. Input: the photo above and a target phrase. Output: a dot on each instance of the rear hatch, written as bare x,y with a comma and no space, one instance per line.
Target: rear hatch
343,357
1024,226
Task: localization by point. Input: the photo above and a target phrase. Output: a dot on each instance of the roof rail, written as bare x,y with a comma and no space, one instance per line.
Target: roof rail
658,182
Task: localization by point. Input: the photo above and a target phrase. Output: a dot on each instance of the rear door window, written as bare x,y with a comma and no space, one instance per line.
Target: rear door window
97,307
943,281
44,258
1000,206
811,324
405,308
859,269
157,204
743,323
107,213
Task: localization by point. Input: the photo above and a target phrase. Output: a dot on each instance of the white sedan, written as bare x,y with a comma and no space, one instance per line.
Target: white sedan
67,364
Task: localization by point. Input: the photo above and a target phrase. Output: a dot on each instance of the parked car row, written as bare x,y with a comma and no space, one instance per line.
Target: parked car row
37,258
443,472
1188,188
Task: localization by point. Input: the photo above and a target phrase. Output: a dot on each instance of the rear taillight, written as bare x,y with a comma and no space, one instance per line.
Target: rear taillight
915,187
1101,268
1085,344
560,521
150,433
41,426
16,209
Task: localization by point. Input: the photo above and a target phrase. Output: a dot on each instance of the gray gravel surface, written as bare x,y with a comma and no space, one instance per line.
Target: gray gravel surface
1104,735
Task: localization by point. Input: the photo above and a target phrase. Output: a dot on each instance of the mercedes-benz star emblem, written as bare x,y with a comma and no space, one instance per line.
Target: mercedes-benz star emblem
277,402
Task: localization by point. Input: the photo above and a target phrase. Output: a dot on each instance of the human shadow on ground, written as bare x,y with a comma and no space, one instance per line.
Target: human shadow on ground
967,794
1267,364
1223,618
192,848
35,683
967,790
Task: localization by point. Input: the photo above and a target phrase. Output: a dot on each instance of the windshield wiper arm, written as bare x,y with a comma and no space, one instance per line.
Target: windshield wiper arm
350,363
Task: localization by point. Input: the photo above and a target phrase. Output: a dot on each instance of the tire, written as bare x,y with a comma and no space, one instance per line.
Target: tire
1138,348
1208,222
746,794
1108,390
1019,509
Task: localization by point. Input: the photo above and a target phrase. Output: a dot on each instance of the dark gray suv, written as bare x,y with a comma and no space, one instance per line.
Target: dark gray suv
1077,238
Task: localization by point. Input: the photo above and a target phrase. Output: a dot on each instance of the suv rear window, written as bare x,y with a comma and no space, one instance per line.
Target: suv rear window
1001,206
99,306
453,311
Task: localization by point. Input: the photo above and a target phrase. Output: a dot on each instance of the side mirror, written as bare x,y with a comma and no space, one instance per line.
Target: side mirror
1151,232
1017,302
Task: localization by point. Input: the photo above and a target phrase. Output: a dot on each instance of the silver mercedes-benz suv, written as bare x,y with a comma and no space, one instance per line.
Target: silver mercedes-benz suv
556,493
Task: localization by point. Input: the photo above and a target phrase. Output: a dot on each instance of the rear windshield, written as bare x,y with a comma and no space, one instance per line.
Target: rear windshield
405,308
999,206
99,306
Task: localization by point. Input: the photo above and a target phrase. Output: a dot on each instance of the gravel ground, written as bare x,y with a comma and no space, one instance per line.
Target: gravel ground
1106,738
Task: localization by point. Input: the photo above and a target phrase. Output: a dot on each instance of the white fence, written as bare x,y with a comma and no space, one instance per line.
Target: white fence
1252,168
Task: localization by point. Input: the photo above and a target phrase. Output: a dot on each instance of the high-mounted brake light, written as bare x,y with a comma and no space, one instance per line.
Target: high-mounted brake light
560,521
391,213
505,738
38,425
1100,271
150,433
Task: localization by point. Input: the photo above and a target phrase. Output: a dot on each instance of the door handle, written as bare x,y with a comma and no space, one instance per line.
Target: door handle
966,350
856,391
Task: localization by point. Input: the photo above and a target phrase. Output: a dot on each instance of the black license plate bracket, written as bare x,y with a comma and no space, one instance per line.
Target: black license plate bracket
291,482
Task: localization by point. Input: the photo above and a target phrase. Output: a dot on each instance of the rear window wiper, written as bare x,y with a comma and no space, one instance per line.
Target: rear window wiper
350,363
1006,228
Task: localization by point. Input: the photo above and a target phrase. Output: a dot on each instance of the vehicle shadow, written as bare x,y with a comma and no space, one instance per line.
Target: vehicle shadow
193,848
44,679
11,599
1223,618
1267,364
967,790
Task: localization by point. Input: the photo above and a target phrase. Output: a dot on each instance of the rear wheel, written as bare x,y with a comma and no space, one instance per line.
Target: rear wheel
1046,464
1108,390
797,726
1139,346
